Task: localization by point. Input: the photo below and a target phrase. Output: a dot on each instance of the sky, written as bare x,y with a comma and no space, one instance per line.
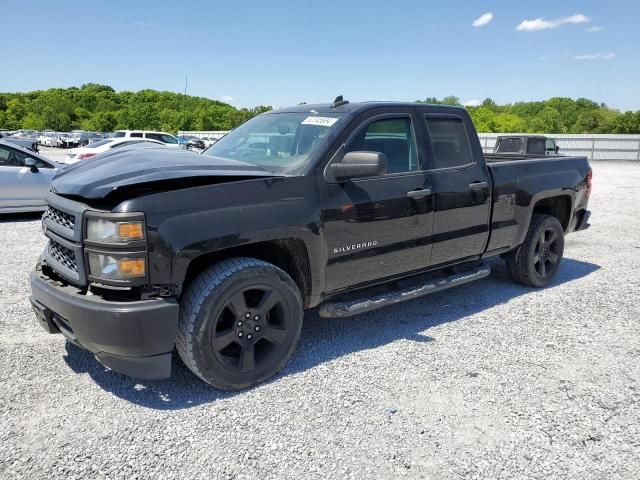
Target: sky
283,52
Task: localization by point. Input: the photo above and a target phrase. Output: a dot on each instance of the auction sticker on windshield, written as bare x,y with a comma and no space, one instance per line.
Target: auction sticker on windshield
321,121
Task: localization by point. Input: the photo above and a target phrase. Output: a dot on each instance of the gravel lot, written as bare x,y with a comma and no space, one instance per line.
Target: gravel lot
491,380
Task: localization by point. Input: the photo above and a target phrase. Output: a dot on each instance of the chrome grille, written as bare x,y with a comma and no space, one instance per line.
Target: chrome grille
61,218
62,255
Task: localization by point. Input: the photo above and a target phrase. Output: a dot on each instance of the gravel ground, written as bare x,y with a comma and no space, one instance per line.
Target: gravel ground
491,380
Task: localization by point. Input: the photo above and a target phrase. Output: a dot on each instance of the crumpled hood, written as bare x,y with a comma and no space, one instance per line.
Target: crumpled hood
99,176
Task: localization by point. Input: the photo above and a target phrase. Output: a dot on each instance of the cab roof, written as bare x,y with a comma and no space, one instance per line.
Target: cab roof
356,107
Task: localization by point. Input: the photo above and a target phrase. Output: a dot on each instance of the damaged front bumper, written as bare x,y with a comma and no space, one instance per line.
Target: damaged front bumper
134,338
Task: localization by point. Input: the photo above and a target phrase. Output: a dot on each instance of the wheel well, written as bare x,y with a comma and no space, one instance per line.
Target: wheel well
289,254
559,207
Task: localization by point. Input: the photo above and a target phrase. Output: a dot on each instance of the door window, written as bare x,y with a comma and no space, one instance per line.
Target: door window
136,134
9,158
12,158
550,145
393,137
449,142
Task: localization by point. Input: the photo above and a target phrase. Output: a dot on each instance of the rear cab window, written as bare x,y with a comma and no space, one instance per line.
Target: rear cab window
450,146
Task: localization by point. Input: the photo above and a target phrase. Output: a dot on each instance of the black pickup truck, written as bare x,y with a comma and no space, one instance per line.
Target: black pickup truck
345,207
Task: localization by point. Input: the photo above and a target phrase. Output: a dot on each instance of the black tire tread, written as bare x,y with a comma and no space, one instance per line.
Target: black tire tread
198,292
518,263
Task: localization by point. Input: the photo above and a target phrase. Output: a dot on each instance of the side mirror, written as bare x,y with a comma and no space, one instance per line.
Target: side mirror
31,163
557,149
358,165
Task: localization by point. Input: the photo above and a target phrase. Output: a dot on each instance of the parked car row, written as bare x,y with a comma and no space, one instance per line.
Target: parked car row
80,138
77,138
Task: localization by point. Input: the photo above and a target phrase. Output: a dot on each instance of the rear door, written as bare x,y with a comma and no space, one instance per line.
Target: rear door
378,227
461,187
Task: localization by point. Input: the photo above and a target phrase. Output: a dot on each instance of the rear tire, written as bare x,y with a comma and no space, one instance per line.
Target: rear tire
239,323
537,260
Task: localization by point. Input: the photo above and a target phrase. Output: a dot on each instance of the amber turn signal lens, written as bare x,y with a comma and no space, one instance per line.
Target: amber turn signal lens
131,268
130,231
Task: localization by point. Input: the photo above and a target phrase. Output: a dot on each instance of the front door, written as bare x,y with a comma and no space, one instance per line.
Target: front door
380,226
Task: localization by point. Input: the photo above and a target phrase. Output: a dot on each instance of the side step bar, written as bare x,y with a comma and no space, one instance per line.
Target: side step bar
349,307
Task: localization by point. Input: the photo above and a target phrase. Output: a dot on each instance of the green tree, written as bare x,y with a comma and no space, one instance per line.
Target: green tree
596,121
547,121
508,123
33,121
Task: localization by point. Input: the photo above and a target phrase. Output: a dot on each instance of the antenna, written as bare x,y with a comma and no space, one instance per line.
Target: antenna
184,100
339,101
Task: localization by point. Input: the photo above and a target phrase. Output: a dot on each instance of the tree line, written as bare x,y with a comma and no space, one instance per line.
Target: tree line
556,115
100,108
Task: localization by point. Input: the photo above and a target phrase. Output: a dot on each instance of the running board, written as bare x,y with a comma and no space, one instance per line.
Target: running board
347,308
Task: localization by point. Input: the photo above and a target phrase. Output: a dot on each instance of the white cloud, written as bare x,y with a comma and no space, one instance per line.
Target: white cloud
142,24
226,99
595,56
543,24
594,29
483,20
472,103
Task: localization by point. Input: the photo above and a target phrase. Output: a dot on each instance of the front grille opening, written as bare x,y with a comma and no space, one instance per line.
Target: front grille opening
62,255
121,295
61,218
61,323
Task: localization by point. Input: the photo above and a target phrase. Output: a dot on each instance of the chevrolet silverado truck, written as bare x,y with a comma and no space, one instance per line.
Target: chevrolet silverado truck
346,207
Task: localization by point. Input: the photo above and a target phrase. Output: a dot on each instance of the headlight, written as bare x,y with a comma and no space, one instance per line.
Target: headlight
107,231
106,266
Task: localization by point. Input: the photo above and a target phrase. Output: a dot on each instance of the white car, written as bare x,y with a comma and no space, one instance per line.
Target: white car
166,138
93,149
48,139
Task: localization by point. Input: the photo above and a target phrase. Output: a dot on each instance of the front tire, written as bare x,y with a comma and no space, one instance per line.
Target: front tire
239,323
537,260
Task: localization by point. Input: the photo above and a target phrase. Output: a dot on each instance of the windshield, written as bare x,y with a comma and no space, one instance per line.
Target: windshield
278,142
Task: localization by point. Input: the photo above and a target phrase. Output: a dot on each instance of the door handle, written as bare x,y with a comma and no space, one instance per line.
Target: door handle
419,193
478,185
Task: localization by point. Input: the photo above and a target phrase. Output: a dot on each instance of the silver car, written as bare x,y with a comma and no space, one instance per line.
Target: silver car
24,179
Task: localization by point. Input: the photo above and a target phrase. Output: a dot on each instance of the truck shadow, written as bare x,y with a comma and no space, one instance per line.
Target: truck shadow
20,217
323,340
